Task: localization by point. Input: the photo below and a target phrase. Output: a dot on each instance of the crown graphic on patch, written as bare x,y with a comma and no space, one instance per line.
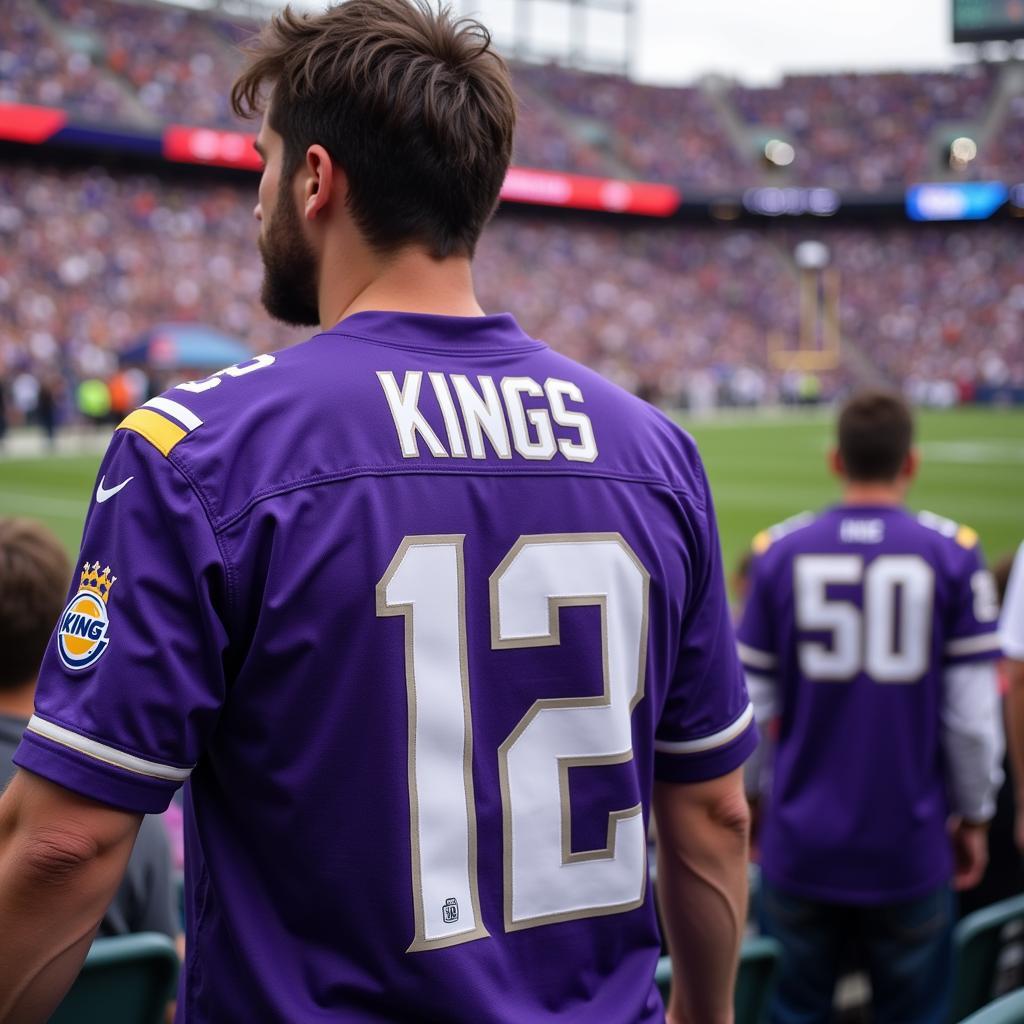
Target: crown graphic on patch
97,582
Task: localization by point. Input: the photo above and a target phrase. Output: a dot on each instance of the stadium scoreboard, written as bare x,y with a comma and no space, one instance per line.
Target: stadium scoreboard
974,21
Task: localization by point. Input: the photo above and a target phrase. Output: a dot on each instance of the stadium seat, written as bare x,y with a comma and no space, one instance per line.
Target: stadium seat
1007,1010
979,941
663,977
758,958
128,979
754,881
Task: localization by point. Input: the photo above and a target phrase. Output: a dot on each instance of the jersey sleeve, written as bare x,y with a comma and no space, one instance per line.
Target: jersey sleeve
973,631
1011,622
133,678
707,724
755,637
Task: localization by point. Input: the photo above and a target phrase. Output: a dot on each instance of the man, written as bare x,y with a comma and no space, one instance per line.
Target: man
871,632
419,607
34,574
1012,633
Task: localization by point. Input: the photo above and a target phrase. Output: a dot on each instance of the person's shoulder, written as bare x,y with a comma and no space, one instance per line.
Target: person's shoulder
194,412
953,549
784,535
220,430
632,434
946,534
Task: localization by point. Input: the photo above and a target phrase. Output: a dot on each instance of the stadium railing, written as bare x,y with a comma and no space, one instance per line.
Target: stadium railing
127,979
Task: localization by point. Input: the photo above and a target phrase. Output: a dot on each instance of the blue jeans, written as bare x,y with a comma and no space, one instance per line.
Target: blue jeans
907,947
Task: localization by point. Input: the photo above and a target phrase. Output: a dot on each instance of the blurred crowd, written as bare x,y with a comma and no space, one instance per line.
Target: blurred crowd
144,66
867,132
681,314
658,134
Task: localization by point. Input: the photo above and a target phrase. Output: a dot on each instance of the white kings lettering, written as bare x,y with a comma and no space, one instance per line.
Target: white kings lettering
862,531
491,411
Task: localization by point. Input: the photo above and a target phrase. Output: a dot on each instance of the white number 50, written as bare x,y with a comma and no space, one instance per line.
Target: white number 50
890,639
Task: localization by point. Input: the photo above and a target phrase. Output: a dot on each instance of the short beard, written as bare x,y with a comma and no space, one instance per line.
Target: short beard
290,271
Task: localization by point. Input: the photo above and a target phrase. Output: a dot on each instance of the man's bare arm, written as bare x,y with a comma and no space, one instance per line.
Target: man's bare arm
703,835
61,859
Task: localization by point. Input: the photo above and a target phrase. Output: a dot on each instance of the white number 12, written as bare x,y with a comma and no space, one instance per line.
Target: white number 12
544,879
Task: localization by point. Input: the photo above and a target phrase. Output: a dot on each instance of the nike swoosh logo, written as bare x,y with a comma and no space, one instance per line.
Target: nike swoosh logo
103,493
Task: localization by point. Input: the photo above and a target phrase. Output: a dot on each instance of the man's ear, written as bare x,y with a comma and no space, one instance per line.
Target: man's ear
835,462
324,183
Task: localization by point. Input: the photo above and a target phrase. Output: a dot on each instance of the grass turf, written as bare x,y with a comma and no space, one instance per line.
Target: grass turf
763,468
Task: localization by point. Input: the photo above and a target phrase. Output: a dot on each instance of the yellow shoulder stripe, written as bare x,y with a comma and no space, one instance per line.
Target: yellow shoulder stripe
160,432
966,537
762,542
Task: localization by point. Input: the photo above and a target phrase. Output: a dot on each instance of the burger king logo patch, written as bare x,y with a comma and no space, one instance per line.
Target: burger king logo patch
82,630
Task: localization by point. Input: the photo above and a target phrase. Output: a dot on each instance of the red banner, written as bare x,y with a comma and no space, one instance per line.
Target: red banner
523,185
207,146
551,188
21,123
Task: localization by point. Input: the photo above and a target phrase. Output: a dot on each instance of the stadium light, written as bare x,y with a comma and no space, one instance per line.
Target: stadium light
962,151
779,153
811,255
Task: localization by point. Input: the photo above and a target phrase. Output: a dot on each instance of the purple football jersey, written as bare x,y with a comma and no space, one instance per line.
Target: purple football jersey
854,614
420,609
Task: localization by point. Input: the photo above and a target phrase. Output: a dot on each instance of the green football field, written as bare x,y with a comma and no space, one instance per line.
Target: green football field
763,468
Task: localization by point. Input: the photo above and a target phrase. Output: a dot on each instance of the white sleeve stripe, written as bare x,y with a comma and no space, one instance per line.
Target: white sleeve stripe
974,644
754,658
101,752
716,739
186,417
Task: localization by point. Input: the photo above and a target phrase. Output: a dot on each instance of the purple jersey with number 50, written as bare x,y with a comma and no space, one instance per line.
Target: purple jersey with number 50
420,609
855,618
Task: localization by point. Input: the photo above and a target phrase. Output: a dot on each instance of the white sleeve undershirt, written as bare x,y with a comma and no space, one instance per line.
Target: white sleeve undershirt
1011,621
764,696
972,738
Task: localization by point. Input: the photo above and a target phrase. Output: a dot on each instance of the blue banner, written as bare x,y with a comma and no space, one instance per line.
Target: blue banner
952,200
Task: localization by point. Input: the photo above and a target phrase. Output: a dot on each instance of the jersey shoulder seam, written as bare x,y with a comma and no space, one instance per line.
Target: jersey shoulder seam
778,532
201,498
355,472
950,530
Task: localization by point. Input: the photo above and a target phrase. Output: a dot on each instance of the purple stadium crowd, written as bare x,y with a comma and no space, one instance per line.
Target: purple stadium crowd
88,261
144,66
678,313
867,132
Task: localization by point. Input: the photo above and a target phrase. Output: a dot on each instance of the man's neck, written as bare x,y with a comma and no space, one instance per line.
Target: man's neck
858,493
19,703
410,281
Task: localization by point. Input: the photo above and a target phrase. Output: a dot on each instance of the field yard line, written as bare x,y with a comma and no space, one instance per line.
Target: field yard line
1006,451
26,443
769,417
27,504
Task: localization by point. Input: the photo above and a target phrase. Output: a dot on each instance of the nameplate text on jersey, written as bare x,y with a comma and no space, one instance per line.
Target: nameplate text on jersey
488,417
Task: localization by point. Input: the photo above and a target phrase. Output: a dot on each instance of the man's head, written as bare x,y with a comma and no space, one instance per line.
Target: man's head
875,440
34,577
381,114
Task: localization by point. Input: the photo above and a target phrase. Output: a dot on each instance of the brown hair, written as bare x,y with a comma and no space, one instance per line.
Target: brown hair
34,577
415,106
876,430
